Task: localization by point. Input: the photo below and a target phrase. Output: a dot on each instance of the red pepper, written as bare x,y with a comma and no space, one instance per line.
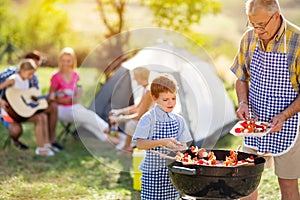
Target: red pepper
201,162
244,124
239,130
214,162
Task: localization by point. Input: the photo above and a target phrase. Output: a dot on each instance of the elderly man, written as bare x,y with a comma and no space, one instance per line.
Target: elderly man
267,66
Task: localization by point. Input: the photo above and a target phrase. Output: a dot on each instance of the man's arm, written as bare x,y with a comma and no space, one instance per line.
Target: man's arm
7,73
242,91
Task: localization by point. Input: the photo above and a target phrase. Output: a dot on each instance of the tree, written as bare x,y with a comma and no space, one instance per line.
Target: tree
180,15
112,15
9,28
177,15
45,25
40,24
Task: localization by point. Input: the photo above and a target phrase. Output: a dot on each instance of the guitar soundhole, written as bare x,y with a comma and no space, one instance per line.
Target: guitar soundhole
34,98
31,104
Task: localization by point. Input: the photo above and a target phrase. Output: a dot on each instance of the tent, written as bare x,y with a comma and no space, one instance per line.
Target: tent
203,101
116,93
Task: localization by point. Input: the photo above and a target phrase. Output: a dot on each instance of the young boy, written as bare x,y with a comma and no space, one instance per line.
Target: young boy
160,128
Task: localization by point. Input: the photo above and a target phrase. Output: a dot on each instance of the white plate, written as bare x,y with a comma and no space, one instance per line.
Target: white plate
238,125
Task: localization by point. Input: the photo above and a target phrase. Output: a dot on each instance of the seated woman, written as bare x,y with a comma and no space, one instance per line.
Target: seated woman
69,108
133,113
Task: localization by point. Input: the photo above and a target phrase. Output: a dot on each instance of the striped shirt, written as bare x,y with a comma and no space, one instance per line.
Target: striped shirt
241,63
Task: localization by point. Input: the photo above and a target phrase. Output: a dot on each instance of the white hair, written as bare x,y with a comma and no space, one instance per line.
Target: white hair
272,6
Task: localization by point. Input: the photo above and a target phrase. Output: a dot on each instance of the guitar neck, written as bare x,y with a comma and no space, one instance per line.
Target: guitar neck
46,96
43,97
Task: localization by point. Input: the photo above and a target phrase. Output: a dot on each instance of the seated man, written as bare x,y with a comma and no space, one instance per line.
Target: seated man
15,128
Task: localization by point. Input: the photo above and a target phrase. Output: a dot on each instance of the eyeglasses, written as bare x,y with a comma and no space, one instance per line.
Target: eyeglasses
260,28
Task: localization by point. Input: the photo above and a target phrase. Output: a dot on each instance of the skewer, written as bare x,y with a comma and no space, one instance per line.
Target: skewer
238,148
162,155
179,147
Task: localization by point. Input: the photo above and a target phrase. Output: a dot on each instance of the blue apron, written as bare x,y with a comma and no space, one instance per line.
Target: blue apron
270,93
156,184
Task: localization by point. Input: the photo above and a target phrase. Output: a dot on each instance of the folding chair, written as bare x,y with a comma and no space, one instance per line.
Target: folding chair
68,128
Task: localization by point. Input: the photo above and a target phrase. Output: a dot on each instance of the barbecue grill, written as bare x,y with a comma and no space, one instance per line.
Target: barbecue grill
217,182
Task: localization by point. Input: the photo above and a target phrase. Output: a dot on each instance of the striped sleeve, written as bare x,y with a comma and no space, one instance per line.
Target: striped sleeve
241,63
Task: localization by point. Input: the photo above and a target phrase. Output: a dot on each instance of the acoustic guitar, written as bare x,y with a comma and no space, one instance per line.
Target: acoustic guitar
25,103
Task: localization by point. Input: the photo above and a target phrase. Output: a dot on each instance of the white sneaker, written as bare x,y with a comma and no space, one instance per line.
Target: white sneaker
44,151
53,148
122,142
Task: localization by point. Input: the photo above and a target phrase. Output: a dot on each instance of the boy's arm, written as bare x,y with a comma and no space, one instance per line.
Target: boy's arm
144,144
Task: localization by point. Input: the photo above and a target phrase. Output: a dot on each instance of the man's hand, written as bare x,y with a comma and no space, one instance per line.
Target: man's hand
242,112
277,123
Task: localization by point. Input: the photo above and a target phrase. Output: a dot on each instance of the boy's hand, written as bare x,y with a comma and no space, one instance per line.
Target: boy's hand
169,142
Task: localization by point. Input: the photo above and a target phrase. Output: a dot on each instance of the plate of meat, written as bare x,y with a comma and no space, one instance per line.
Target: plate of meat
250,128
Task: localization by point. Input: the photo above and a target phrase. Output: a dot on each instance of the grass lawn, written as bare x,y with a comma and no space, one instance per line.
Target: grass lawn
86,169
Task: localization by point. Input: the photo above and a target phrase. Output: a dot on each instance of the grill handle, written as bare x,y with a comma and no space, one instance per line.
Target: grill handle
183,170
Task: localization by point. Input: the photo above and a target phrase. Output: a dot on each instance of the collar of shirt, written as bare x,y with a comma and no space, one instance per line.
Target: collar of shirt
161,115
281,31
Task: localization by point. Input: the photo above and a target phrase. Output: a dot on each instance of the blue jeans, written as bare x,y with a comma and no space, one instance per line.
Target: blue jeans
5,123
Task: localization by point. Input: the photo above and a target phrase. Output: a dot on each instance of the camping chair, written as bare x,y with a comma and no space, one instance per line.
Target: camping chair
68,128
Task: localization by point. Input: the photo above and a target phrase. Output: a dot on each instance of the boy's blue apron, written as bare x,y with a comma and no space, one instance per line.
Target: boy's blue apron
270,93
156,183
